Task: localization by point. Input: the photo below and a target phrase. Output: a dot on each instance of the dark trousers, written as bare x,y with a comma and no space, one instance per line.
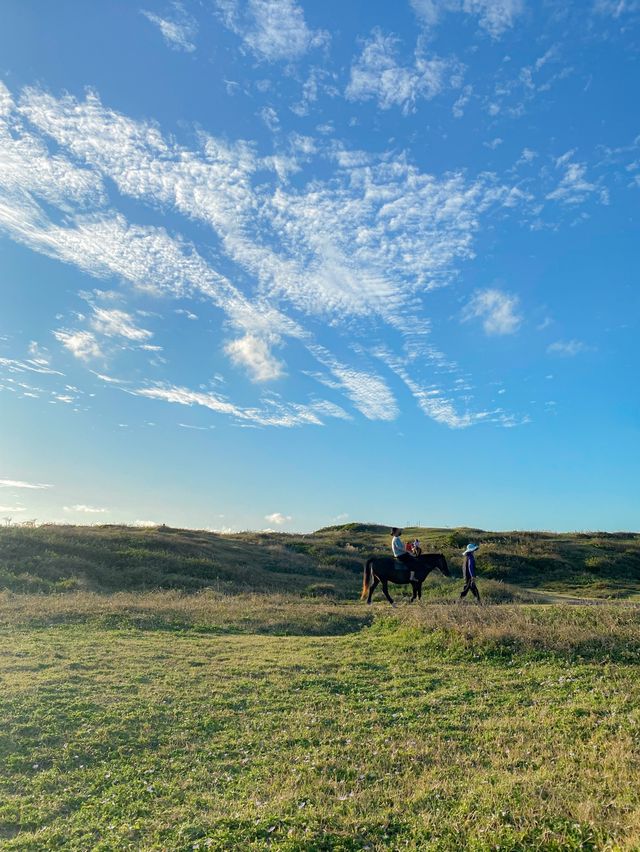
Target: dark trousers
470,584
407,561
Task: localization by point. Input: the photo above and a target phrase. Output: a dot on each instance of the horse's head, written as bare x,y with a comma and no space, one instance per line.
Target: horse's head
436,560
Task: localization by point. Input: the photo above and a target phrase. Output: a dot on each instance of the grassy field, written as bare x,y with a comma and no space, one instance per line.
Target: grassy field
202,714
229,724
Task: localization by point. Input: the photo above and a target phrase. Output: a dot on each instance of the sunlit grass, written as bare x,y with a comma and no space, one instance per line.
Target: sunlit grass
445,726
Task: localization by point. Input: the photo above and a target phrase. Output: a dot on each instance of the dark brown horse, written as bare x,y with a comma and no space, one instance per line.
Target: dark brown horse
386,569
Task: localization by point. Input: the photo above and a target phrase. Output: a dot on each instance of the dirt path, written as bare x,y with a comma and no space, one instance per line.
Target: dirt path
555,598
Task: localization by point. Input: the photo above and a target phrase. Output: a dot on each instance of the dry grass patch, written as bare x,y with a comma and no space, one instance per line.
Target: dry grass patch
608,631
205,611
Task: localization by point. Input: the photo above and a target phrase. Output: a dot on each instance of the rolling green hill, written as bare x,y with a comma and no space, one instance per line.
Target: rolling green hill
328,562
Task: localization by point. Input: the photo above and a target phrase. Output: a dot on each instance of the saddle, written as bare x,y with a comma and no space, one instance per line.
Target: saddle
403,570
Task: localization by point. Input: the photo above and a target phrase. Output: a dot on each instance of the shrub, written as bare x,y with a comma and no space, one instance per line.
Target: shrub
321,590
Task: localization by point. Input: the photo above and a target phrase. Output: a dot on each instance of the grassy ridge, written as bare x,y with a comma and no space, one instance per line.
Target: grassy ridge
434,728
328,562
66,558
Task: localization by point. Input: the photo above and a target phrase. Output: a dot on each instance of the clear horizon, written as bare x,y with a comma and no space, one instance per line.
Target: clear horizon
281,264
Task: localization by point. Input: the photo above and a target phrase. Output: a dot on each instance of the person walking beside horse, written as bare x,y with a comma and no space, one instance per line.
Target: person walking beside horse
469,572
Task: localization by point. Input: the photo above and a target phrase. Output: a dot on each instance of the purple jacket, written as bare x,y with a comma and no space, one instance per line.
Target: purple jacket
469,566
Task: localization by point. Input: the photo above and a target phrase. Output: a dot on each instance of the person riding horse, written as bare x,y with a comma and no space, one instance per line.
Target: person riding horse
389,569
401,554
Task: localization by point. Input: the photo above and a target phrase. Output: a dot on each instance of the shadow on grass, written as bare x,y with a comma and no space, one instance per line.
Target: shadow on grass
338,624
177,612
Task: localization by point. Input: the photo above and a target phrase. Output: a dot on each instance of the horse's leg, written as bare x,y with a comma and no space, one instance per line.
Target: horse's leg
414,586
372,588
420,590
385,591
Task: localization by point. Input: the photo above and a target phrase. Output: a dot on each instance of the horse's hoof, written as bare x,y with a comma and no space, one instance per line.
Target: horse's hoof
369,603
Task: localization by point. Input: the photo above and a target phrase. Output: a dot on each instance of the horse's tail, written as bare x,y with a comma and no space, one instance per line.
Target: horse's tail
366,579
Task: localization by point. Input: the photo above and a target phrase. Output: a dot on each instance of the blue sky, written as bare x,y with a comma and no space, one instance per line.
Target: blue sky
281,264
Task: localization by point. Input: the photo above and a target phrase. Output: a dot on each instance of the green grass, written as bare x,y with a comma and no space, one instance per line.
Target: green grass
177,722
179,690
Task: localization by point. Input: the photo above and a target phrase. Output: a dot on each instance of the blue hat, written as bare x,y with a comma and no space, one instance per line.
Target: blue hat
471,547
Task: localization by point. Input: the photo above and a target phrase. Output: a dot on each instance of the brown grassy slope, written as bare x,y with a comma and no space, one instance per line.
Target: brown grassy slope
329,561
109,558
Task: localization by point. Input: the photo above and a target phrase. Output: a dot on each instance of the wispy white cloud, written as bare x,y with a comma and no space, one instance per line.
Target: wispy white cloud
616,8
19,483
368,392
494,143
568,348
255,355
514,90
270,118
497,310
29,365
574,188
82,508
274,414
13,509
494,16
319,79
116,323
212,185
462,101
335,247
364,244
272,30
81,344
432,400
110,380
528,155
39,354
378,74
278,518
179,30
29,167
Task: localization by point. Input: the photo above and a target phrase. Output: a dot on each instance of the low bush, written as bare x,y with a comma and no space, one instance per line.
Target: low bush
321,590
